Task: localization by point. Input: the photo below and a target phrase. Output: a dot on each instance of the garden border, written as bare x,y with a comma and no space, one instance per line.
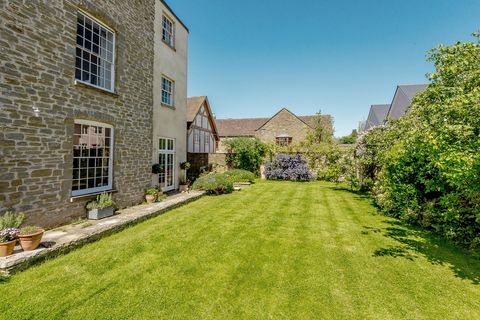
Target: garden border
62,240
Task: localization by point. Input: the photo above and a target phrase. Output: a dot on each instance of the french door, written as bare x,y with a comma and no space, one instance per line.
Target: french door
166,160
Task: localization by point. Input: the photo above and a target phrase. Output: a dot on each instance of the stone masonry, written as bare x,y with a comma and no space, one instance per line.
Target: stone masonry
39,102
283,122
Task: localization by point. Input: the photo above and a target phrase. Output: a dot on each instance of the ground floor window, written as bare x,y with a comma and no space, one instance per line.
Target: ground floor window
166,160
92,157
283,141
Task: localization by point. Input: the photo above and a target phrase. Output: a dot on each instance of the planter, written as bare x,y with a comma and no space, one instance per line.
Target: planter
97,214
183,188
6,248
31,242
150,198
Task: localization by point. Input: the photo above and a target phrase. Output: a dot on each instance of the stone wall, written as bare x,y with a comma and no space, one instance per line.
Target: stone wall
39,102
283,122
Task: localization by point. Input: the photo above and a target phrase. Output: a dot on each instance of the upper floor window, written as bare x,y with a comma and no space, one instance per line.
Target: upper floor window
283,141
167,91
94,53
92,157
168,33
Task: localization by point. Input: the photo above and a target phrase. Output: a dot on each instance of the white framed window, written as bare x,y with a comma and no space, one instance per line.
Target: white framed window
95,53
168,31
92,157
166,160
167,91
283,141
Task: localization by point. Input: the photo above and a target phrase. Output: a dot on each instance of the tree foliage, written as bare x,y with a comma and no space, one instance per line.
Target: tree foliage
246,153
350,139
427,168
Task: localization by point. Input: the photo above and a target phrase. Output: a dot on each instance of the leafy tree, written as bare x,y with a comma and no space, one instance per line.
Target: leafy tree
350,139
322,131
246,153
430,174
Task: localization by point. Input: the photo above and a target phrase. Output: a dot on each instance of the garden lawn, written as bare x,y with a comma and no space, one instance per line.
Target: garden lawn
276,250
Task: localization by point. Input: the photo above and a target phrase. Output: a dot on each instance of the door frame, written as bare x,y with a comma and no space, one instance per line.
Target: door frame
167,152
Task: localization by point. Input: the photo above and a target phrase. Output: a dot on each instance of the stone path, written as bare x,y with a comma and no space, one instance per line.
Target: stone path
66,238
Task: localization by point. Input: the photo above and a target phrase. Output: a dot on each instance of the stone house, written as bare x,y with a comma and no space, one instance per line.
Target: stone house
78,93
282,129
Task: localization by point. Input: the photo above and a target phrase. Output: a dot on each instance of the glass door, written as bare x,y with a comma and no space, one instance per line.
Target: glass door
166,159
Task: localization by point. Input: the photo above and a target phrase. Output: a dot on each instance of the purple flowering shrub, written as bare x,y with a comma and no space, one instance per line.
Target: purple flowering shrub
288,167
9,234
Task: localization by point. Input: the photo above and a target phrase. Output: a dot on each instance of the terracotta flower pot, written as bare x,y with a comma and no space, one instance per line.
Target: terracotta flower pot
31,241
150,198
6,248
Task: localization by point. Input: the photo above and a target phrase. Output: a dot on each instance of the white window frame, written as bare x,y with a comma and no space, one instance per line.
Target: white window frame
168,151
283,141
112,71
170,33
109,186
171,93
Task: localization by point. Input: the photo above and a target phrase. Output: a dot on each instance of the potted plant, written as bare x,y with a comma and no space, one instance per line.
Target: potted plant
8,238
156,168
11,219
30,237
151,194
184,183
101,207
185,165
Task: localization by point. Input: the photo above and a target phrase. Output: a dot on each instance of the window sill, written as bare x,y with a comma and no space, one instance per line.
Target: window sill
89,196
169,45
82,84
167,106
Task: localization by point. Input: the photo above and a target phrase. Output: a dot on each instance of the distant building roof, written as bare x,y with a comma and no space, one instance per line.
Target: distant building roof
239,127
246,127
377,115
402,99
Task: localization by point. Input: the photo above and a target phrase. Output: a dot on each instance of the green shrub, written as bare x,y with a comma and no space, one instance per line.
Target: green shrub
11,219
246,153
239,175
152,191
102,201
214,183
429,174
28,230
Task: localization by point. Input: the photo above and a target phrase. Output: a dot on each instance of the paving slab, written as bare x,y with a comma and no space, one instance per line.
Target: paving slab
64,239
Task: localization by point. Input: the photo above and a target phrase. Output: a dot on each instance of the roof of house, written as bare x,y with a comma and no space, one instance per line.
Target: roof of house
193,104
410,90
247,126
174,14
377,115
402,99
239,127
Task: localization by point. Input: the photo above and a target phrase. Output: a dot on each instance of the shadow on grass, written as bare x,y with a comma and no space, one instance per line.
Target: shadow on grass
414,242
360,195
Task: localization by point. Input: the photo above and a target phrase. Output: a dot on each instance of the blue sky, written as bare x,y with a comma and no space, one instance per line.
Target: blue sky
253,57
